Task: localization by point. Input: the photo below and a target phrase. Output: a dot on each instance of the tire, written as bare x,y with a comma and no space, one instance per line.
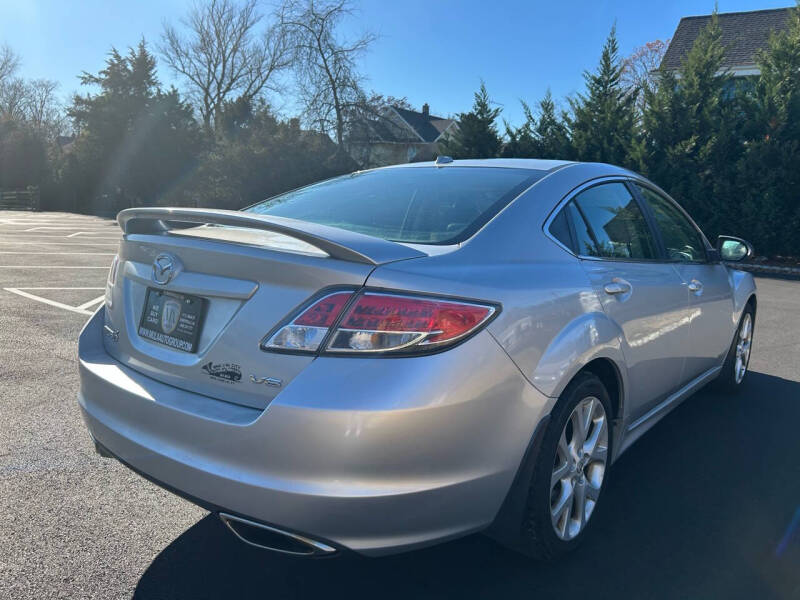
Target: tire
548,531
731,377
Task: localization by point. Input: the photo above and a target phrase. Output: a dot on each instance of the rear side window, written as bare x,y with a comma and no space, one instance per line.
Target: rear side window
424,205
682,241
559,229
615,224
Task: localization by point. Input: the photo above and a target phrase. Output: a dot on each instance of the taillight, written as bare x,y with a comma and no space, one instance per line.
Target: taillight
306,331
381,322
112,280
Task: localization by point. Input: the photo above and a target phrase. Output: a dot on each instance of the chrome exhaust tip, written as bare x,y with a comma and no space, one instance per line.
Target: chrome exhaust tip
270,538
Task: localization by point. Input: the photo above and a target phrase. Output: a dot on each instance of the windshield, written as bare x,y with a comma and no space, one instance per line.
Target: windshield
415,205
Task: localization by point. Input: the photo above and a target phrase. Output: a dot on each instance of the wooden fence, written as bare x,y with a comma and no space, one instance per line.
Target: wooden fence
20,199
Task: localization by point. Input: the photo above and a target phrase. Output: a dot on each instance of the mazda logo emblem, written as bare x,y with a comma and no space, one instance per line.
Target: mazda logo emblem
165,268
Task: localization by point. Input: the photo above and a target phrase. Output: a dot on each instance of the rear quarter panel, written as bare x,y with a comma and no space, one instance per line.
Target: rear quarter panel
551,322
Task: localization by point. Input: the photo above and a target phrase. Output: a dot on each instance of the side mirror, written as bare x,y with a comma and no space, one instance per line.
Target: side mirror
733,249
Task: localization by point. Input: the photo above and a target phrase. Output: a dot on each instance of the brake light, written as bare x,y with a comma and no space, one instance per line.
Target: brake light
381,322
306,332
385,322
112,280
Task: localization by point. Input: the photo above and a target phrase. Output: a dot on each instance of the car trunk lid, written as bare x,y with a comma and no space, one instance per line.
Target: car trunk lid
249,272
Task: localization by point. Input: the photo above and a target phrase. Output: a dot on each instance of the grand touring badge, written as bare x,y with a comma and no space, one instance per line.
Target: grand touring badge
227,372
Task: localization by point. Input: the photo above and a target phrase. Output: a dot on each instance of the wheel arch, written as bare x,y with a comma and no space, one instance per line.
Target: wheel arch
506,528
590,337
609,374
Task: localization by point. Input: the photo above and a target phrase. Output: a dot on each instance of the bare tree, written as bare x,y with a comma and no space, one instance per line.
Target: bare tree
639,70
224,55
13,99
9,63
327,76
43,109
33,102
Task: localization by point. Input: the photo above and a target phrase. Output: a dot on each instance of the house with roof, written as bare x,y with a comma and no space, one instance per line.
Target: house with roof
400,135
743,35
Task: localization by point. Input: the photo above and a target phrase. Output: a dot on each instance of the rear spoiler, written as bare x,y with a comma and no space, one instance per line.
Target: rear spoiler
337,243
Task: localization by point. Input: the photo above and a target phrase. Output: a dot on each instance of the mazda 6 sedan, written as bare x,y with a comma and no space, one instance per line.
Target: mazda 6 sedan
405,355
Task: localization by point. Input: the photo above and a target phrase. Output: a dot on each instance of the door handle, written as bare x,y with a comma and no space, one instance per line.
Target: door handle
617,287
695,286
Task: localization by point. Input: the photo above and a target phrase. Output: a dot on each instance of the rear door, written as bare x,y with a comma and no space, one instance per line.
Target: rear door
639,291
710,295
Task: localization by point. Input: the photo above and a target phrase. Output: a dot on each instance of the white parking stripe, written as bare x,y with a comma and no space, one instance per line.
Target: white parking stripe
27,236
97,300
54,267
75,309
65,227
60,243
50,220
77,233
62,253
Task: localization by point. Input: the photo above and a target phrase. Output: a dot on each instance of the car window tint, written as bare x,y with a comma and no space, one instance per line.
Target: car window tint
682,241
583,239
418,205
616,223
559,229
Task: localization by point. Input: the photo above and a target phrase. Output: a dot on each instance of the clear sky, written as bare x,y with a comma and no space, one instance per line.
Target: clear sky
433,51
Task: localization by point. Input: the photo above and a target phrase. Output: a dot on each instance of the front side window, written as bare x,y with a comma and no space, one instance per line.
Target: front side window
415,205
682,241
614,224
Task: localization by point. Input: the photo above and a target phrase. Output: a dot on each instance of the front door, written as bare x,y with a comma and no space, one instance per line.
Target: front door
710,295
639,291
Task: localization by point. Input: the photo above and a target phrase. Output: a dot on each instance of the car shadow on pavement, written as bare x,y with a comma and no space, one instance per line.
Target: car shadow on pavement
705,505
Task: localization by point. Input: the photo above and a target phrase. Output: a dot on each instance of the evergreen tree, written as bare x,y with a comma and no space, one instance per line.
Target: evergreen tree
692,134
477,135
256,155
134,140
545,137
769,173
551,133
521,142
603,119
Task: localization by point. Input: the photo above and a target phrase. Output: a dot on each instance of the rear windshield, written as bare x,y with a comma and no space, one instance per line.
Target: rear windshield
422,205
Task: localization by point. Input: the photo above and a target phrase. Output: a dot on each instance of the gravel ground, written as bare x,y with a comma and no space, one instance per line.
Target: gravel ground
706,505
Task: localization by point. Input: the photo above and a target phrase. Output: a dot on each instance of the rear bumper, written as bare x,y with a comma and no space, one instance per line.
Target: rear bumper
373,455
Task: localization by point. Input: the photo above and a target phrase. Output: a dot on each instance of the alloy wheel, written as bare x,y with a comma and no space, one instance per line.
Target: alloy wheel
743,345
579,467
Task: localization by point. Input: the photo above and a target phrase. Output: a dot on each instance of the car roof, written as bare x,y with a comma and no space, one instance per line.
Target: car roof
536,164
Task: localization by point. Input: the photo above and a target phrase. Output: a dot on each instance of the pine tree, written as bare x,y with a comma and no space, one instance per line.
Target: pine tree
603,119
551,133
692,133
521,141
769,173
544,137
477,135
135,140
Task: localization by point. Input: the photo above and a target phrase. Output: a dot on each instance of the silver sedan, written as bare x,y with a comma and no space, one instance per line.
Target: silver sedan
402,356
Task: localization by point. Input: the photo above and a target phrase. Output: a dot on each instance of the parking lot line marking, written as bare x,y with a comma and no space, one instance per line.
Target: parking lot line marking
56,267
60,288
81,226
86,305
59,243
77,233
75,309
44,221
27,236
61,253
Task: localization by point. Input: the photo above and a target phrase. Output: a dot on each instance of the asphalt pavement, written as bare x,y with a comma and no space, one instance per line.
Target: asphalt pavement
706,505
